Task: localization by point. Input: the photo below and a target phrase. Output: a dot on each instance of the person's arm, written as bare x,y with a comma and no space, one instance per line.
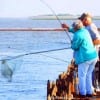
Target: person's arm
96,41
65,26
68,28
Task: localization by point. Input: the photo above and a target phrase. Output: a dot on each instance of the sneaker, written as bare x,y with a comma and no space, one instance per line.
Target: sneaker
82,96
89,95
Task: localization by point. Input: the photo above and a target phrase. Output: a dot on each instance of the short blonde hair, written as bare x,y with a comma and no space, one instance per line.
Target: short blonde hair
77,24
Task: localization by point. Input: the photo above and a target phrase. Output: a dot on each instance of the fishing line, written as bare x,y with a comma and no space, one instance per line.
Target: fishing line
55,58
38,52
56,17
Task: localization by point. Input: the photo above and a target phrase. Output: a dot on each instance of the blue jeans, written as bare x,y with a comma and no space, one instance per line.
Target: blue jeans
85,76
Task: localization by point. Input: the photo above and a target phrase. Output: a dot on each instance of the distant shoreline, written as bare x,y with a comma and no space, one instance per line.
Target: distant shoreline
61,17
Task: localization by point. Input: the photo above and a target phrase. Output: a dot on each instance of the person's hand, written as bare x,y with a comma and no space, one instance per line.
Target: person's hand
65,26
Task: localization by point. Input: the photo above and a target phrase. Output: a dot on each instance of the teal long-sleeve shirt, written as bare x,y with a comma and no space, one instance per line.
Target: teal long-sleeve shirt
83,46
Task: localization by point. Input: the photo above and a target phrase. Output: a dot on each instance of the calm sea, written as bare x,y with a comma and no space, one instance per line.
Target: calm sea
32,71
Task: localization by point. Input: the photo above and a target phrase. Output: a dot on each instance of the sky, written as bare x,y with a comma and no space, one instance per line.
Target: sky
28,8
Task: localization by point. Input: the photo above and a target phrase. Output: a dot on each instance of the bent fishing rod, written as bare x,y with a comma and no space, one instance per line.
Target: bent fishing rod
30,53
56,17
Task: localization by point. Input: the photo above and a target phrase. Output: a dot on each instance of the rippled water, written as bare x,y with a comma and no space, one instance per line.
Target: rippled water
31,75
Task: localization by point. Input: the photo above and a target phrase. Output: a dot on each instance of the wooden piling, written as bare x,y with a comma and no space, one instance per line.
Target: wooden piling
66,86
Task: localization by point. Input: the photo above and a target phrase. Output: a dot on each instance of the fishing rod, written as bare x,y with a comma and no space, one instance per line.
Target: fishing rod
55,16
38,52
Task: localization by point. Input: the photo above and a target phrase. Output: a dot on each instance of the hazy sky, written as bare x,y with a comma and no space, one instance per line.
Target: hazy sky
27,8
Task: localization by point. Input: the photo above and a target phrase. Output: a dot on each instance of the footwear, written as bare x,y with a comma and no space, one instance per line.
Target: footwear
82,96
89,95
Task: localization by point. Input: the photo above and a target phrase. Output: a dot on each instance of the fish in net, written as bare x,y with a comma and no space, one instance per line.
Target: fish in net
9,66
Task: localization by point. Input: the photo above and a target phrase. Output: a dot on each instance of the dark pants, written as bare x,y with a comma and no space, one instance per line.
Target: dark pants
96,74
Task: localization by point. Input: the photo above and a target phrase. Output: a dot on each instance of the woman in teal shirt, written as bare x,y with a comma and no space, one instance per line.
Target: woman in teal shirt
85,56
